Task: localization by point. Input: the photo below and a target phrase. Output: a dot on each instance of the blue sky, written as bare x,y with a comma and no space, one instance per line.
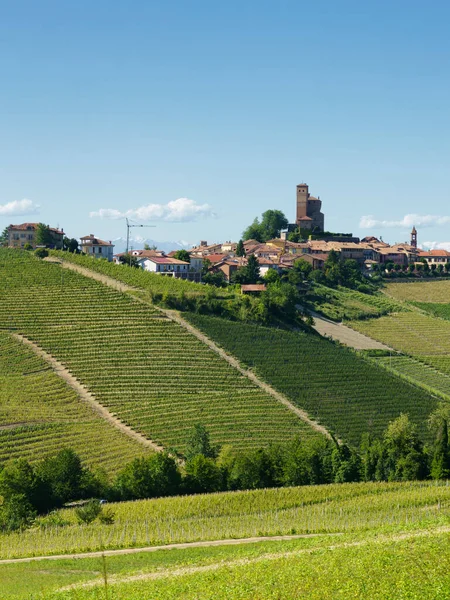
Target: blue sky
109,107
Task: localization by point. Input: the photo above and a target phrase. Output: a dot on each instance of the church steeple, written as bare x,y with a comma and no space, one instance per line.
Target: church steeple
414,237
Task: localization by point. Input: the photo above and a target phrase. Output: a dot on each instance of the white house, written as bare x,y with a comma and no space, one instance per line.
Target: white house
96,247
164,265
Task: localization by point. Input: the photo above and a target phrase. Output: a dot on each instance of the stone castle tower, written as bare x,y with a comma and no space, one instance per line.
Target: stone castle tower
308,210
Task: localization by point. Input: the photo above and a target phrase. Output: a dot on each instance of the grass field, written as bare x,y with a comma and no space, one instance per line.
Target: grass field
420,291
367,527
437,309
40,414
339,389
147,370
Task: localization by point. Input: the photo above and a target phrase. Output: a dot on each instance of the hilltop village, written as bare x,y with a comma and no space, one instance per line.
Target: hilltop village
306,239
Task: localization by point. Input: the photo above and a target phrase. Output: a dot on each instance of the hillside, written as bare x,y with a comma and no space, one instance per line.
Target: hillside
335,386
332,533
144,368
40,414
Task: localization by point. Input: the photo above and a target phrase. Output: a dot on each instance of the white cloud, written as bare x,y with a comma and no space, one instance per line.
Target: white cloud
177,211
369,221
18,208
436,246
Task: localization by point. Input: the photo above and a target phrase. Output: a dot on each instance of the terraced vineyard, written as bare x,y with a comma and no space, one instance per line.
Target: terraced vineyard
341,390
149,371
420,291
410,332
40,414
437,309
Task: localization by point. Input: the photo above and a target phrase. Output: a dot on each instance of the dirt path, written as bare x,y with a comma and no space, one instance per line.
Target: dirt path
174,316
85,395
345,335
163,573
181,546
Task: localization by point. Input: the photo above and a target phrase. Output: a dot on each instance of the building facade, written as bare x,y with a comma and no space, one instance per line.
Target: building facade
93,246
25,233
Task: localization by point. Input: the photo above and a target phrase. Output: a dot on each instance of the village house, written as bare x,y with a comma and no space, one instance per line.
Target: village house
164,265
25,233
435,257
94,246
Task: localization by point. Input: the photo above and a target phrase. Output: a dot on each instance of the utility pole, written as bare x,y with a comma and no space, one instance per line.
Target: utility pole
128,231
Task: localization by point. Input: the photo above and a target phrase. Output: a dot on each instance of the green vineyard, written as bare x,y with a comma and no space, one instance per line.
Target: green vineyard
337,388
147,370
420,291
40,414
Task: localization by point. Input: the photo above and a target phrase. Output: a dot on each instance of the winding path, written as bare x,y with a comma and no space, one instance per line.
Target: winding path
174,316
85,395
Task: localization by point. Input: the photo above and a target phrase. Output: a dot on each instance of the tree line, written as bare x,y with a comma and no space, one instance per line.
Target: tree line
28,490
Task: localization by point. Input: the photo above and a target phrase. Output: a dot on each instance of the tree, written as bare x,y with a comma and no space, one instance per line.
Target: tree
64,475
4,237
240,249
301,269
202,475
405,456
438,421
199,443
182,255
216,278
130,260
16,513
43,235
271,276
152,247
70,245
252,269
150,477
270,226
41,252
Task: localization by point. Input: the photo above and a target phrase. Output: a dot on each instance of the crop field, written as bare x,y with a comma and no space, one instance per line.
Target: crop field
149,371
40,414
140,278
420,291
409,332
336,508
440,363
385,570
419,372
339,389
344,304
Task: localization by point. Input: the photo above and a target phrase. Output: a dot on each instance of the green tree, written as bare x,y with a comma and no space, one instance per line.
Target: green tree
404,450
301,269
43,235
70,245
4,237
270,226
272,276
240,249
64,475
16,513
440,464
252,269
148,247
149,477
41,252
89,512
202,475
130,260
182,255
199,442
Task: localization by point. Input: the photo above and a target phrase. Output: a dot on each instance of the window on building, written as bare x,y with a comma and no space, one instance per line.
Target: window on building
100,250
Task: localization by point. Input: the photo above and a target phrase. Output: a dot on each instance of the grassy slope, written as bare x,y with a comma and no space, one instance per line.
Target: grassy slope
371,516
391,570
152,373
420,291
40,414
341,390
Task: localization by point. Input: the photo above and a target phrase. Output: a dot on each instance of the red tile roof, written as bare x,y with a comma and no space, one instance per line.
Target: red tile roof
253,287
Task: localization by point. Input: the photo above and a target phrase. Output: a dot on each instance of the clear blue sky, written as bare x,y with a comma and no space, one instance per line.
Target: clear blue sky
118,105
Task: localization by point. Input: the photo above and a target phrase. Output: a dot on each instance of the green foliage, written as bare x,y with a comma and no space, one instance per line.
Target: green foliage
43,235
16,513
272,222
202,475
88,512
70,244
155,476
240,249
199,443
130,260
4,237
248,274
63,475
41,252
182,255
